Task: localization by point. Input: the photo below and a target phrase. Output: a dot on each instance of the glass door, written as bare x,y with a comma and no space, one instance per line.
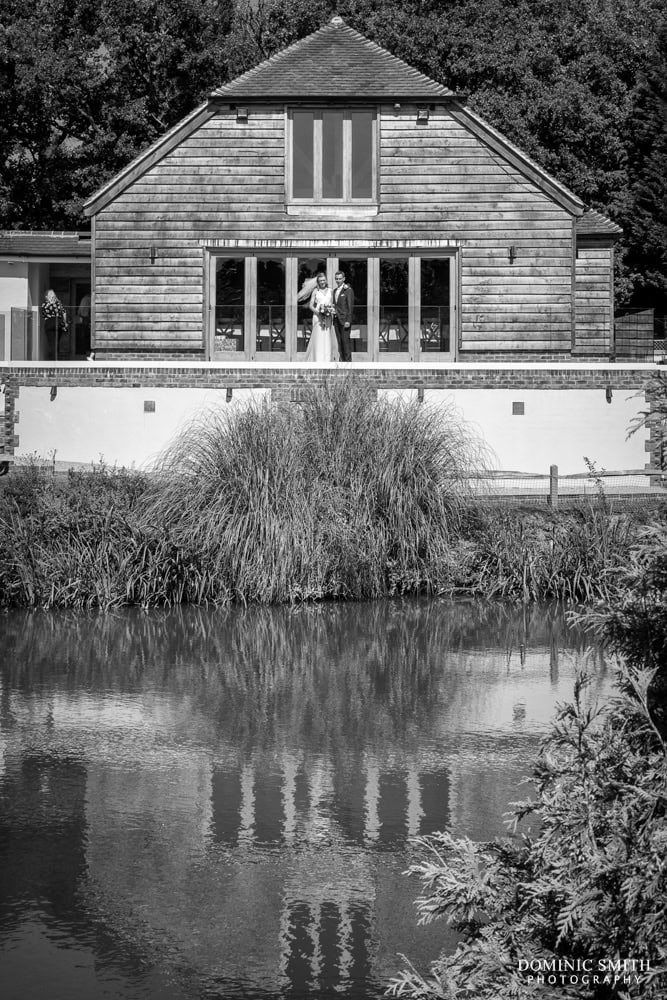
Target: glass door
81,323
355,270
435,308
393,322
271,314
307,269
229,331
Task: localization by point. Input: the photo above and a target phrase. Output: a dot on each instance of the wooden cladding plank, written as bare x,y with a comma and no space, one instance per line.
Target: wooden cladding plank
510,345
197,145
527,277
528,297
129,344
513,338
120,322
592,278
132,297
447,172
470,159
266,163
156,334
135,283
261,130
479,196
520,327
519,318
273,224
163,339
194,199
113,276
148,313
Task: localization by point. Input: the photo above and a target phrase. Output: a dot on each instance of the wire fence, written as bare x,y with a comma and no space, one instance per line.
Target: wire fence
627,488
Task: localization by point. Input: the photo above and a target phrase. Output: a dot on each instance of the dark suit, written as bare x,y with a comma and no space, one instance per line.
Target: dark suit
344,303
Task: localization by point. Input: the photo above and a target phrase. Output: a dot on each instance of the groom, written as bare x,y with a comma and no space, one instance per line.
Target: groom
343,297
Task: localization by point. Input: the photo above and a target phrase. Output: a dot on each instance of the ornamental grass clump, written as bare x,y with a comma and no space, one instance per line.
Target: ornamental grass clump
341,495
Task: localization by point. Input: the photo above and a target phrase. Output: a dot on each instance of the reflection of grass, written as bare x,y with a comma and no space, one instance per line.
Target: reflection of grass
343,673
342,496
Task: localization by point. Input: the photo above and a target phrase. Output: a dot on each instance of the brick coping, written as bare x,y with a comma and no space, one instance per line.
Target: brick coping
412,367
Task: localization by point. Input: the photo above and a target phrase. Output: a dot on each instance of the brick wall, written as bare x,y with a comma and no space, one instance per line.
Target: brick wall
287,382
200,375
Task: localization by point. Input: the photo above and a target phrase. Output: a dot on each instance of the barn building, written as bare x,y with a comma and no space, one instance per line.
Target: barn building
483,286
336,154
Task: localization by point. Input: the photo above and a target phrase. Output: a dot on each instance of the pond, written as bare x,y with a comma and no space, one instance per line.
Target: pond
205,803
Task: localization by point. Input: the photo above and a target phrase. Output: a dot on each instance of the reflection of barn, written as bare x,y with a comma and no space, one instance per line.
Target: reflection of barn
328,917
287,847
275,850
364,803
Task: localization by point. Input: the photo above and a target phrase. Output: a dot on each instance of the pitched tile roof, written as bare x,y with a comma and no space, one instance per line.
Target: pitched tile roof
593,223
20,243
335,61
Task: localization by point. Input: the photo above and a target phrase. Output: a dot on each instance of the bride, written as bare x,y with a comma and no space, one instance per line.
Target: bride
323,345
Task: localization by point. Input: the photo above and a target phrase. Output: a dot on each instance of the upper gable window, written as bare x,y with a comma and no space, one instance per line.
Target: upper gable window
332,156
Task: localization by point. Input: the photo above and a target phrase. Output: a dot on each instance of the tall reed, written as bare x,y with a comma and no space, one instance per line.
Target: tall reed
530,557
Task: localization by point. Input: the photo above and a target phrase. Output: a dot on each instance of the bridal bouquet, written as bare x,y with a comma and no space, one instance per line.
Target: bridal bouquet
325,311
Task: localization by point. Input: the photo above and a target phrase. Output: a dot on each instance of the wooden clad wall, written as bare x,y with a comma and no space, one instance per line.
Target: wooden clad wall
444,177
594,297
437,180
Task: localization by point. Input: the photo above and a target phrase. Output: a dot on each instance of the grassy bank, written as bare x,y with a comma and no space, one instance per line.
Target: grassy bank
342,496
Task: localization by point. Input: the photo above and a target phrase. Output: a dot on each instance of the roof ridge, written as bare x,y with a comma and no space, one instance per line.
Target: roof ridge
338,25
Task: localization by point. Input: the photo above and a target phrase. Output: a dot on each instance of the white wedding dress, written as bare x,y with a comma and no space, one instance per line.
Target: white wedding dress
323,345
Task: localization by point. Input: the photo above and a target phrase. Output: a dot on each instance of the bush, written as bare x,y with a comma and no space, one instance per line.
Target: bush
590,886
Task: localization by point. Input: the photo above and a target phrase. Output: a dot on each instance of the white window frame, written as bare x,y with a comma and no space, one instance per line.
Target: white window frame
346,198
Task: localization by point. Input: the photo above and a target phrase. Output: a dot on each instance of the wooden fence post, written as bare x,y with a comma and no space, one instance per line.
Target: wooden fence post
553,486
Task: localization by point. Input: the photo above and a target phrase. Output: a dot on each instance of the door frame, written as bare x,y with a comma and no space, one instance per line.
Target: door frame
335,258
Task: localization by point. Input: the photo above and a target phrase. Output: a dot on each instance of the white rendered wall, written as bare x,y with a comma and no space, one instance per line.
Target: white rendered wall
558,427
84,425
13,285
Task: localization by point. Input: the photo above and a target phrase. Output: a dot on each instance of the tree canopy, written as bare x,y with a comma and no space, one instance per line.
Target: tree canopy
578,84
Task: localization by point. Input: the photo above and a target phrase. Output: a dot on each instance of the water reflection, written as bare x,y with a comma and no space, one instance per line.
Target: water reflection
219,803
